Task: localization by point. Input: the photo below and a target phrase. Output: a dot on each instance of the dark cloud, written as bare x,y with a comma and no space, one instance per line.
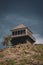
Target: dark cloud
13,12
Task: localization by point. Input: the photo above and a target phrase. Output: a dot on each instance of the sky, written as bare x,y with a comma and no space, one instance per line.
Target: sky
28,12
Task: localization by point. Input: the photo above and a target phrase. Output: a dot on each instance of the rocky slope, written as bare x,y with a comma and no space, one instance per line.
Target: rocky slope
22,54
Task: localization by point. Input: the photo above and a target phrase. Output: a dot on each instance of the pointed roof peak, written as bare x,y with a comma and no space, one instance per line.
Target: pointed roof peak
19,26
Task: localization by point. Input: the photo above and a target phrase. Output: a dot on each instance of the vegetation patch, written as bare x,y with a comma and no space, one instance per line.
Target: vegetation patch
1,55
1,50
8,62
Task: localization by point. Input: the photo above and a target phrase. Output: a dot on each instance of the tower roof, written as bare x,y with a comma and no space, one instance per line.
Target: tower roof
19,27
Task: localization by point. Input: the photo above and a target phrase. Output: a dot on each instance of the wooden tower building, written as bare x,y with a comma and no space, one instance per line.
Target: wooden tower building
22,34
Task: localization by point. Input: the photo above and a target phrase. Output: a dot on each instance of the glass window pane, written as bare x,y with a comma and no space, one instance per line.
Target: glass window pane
12,33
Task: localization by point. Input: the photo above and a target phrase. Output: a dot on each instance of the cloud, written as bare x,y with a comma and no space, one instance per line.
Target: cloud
39,39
